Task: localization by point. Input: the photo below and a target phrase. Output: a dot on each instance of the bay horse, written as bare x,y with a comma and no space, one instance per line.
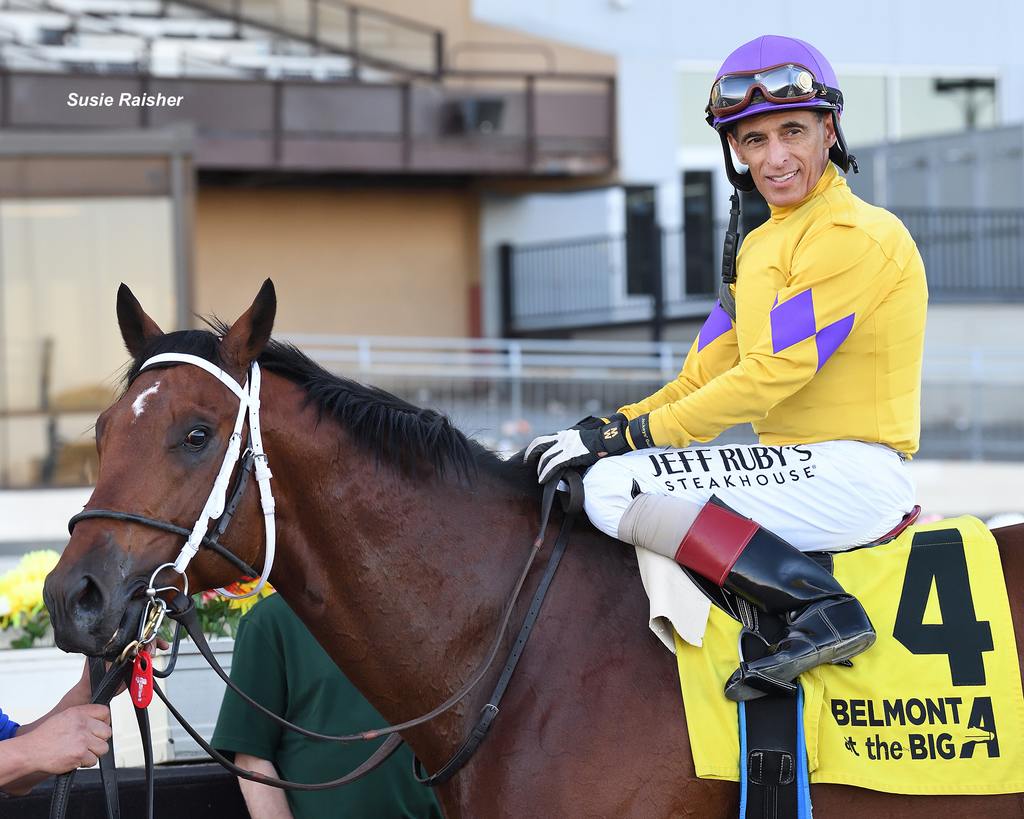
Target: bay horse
399,540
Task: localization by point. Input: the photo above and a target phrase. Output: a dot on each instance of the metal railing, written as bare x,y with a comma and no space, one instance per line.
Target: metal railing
599,280
532,125
969,256
369,37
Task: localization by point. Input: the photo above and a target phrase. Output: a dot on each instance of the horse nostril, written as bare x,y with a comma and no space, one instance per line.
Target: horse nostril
86,596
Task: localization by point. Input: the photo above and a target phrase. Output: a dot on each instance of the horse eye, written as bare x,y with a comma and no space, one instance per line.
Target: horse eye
197,438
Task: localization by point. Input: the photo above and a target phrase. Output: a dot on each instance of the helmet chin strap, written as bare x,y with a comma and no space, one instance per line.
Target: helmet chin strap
729,248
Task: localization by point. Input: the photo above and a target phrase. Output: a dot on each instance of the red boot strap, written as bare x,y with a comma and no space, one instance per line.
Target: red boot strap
715,541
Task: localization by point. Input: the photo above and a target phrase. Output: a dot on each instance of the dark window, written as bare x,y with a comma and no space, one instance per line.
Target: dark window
643,245
698,233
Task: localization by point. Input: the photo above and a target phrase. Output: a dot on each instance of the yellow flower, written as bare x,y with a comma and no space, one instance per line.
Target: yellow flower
21,588
246,603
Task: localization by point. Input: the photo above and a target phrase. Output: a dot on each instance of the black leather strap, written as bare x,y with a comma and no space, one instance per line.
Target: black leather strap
129,517
142,717
771,723
108,771
386,749
102,693
490,711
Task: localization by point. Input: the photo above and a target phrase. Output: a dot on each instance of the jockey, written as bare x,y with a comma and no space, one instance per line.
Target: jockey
818,344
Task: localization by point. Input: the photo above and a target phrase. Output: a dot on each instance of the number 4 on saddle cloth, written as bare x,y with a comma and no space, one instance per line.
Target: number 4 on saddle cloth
934,707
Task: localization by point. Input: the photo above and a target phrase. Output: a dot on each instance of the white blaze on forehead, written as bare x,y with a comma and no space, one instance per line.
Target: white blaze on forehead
139,404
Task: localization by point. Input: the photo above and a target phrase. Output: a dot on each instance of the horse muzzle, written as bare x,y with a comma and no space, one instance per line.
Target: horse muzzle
91,614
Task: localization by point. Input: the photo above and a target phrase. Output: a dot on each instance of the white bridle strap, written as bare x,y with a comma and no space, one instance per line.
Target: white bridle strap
248,400
184,358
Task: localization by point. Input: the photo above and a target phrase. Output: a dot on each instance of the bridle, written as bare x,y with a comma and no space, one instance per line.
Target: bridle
221,503
220,506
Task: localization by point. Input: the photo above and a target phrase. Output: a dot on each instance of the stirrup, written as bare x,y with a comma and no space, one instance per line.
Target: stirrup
748,684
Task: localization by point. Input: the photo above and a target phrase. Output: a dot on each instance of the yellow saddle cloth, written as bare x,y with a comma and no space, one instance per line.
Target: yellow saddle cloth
934,707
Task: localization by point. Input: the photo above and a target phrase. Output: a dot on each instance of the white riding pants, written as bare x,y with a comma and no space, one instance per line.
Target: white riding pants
818,497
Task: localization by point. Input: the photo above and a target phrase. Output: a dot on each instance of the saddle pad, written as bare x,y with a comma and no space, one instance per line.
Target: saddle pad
934,707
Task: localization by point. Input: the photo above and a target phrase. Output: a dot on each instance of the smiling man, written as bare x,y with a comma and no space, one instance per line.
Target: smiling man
787,153
818,344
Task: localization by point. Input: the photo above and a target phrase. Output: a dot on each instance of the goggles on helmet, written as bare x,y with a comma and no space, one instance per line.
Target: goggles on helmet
782,84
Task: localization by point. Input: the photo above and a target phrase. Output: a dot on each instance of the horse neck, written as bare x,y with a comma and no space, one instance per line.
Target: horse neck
401,579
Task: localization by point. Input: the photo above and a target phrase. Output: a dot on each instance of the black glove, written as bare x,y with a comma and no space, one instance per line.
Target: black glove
579,446
594,422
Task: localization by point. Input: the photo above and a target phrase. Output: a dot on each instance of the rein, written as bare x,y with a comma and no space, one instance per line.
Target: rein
221,506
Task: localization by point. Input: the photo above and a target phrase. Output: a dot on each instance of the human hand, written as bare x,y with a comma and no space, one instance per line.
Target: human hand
595,422
74,738
575,447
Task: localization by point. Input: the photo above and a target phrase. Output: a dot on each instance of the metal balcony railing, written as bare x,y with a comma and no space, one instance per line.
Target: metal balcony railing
342,88
369,37
969,256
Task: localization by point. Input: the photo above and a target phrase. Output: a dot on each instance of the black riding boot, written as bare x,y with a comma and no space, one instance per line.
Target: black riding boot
825,624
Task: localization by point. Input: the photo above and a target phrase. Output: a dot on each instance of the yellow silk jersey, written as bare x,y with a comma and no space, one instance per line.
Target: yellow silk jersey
830,304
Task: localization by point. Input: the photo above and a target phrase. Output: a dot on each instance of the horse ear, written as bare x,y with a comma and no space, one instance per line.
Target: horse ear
249,335
137,328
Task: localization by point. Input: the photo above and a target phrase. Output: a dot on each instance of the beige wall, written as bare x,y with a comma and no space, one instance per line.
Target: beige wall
383,262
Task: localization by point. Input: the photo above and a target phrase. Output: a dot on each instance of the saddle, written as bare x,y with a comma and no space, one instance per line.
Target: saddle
773,770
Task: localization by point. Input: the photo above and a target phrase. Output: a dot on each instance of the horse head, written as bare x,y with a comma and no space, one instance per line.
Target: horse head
161,447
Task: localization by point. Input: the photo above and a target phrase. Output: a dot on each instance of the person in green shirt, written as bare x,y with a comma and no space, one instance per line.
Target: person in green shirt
282,666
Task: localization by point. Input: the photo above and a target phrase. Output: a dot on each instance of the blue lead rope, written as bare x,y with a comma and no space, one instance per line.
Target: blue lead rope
803,779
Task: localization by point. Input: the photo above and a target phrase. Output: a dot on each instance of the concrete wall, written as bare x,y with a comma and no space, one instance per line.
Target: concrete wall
393,262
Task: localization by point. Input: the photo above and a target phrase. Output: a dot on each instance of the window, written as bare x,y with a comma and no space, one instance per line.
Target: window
699,233
61,260
694,131
925,109
643,240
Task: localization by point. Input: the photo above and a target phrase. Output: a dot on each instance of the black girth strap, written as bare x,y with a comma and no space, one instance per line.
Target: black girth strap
771,726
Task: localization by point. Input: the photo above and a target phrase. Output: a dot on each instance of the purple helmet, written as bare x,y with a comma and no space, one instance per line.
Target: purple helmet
787,68
770,51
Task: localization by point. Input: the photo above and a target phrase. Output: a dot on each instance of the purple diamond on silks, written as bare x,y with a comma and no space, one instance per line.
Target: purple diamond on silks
792,321
716,324
829,338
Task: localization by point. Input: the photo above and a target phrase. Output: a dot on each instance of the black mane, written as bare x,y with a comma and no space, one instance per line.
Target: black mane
396,432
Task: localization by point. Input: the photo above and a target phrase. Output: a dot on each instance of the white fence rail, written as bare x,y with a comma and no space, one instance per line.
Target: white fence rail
505,390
